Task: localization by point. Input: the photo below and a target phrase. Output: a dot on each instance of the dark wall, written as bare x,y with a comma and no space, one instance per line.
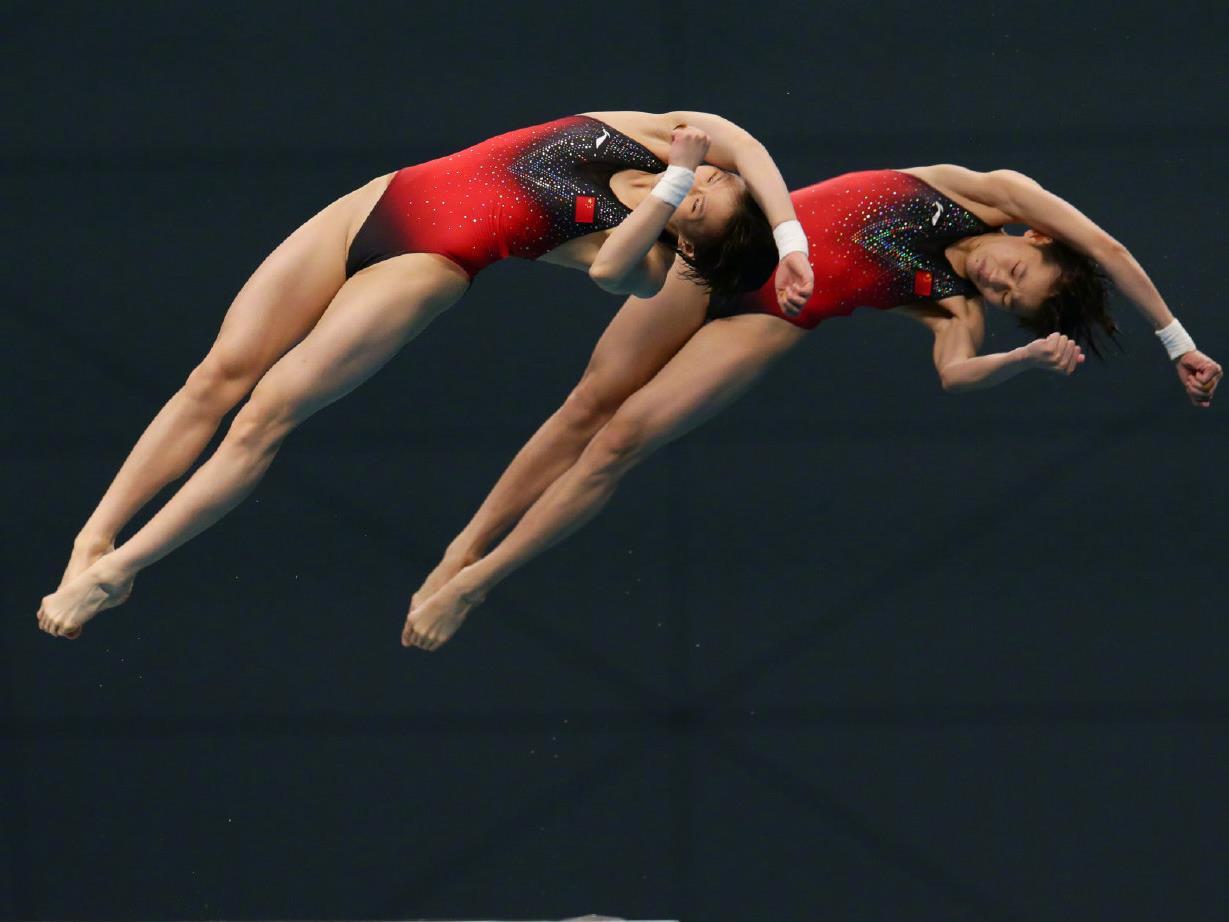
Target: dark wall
856,649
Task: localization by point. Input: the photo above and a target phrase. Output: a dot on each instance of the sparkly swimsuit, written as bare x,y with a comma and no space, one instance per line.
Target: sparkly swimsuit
876,240
519,194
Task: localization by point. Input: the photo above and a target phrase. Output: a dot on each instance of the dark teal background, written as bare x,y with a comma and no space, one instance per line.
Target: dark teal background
855,650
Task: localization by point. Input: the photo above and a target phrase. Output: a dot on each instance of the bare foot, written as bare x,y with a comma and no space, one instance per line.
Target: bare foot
98,587
85,552
444,571
438,617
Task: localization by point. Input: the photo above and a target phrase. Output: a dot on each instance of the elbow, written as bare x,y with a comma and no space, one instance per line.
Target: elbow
949,383
604,278
640,284
1109,250
747,148
751,143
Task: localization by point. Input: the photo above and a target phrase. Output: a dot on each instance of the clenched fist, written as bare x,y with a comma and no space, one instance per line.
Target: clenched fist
1057,353
794,283
1199,375
688,147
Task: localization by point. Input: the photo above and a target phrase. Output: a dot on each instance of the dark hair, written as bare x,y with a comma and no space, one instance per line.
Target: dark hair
741,258
1079,304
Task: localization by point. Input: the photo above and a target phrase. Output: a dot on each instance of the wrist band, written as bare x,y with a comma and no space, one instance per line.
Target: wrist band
674,185
791,238
1176,340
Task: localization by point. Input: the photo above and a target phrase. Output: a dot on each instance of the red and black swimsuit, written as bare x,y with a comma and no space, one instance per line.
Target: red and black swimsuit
876,240
519,194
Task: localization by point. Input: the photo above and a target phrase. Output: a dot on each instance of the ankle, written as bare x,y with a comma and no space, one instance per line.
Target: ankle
92,542
472,583
111,571
462,554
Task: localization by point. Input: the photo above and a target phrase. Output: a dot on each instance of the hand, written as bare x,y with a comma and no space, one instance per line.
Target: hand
1199,375
794,282
688,146
1057,353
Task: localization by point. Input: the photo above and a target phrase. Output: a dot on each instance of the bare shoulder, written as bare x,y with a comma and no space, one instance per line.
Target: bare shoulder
974,191
649,128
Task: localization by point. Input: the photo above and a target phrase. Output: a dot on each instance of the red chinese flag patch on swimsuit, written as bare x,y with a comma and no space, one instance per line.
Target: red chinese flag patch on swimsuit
585,207
923,283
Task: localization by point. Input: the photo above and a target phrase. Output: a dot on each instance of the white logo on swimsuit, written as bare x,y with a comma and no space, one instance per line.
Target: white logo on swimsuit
934,219
601,139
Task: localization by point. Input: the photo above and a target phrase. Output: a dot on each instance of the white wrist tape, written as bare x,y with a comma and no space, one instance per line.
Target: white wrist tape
791,238
674,185
1176,340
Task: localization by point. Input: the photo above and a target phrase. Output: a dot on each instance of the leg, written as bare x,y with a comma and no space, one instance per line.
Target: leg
275,309
719,363
373,315
639,341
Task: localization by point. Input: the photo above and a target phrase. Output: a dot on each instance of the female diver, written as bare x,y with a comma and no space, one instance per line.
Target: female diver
349,288
926,242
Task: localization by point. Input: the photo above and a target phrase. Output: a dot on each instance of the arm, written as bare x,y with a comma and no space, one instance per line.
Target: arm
733,148
1026,201
629,262
960,367
1023,200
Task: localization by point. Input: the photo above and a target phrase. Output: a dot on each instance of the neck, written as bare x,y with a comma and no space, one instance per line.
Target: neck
958,254
631,186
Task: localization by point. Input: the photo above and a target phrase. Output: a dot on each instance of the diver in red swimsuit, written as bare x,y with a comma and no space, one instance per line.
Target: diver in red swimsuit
520,194
615,194
927,243
877,239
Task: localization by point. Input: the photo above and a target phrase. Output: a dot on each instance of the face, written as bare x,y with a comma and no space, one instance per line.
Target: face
1011,273
709,205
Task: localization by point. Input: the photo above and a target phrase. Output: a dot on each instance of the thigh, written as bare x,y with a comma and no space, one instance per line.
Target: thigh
291,288
642,337
715,366
374,314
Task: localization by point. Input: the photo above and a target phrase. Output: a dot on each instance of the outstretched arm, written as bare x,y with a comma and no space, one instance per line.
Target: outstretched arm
1023,200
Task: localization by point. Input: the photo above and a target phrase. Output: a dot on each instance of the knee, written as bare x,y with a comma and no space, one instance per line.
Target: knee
589,406
620,444
263,422
220,381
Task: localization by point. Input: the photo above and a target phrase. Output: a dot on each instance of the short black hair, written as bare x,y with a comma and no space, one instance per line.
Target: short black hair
1079,305
740,259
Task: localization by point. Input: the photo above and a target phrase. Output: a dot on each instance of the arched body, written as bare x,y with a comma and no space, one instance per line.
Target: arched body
925,242
340,297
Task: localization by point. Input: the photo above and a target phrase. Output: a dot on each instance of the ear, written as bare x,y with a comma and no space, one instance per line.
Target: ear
687,248
1038,237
